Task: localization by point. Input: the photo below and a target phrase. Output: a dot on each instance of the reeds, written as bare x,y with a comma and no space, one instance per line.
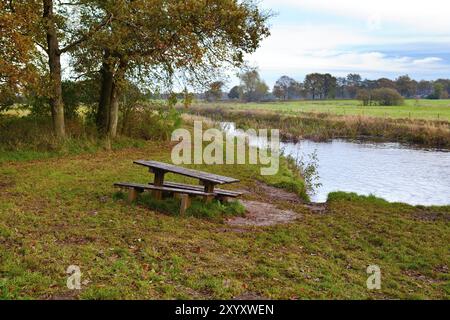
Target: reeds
324,126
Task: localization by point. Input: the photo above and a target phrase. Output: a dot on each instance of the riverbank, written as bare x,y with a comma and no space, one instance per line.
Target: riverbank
324,126
414,109
62,211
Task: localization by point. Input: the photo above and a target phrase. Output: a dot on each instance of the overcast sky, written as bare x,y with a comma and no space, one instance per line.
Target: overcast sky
383,38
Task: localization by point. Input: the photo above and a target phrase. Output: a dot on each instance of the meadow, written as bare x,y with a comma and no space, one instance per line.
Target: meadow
64,211
343,119
58,207
413,109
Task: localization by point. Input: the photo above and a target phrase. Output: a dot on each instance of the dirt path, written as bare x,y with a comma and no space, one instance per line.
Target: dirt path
263,212
260,214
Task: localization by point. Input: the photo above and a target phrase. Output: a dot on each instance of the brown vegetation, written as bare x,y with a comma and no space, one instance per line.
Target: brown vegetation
322,126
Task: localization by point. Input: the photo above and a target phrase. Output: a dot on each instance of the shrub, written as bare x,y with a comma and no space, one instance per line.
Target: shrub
380,97
386,97
151,121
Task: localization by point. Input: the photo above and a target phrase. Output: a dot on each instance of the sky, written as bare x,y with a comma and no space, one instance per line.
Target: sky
383,38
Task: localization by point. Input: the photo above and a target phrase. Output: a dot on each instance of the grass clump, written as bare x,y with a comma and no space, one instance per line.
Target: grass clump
215,209
351,196
199,208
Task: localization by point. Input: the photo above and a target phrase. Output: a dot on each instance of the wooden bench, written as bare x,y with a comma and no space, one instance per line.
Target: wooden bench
206,190
184,194
220,194
208,180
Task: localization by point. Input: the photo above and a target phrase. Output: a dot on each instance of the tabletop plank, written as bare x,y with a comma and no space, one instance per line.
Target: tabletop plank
205,176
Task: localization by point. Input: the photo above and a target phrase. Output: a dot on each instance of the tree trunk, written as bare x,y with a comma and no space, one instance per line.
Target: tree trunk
103,111
113,113
107,116
119,78
54,60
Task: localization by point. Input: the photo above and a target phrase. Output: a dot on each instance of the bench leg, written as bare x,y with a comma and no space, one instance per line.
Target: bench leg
132,195
185,203
208,188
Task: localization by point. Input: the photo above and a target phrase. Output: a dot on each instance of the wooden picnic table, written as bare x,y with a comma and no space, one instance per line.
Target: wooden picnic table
208,180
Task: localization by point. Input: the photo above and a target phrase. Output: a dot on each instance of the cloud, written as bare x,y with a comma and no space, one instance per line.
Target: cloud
417,15
332,47
302,42
367,63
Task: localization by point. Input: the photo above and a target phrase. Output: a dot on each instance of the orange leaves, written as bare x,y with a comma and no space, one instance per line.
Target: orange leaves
17,49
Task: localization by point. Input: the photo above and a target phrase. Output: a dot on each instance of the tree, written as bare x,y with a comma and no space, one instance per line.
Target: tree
369,84
18,71
252,87
314,84
28,25
446,87
354,82
405,86
286,88
329,86
55,26
341,84
364,96
385,83
424,88
215,91
234,93
161,40
188,98
439,91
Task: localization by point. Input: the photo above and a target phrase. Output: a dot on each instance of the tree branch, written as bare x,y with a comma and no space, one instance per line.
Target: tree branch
86,36
40,45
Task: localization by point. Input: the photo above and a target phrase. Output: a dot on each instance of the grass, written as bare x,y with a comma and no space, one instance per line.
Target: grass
325,126
25,138
423,109
63,211
199,209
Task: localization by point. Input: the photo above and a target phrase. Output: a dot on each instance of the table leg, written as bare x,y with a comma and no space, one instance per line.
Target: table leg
185,203
159,182
209,188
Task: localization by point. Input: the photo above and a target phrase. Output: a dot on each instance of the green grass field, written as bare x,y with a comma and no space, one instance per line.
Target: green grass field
62,211
414,109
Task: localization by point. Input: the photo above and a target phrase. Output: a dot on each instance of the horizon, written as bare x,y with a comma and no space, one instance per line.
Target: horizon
346,37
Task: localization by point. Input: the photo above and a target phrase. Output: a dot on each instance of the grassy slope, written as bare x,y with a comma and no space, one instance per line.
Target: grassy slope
414,109
57,212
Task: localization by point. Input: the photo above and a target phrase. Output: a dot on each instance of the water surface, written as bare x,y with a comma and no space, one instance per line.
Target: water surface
391,171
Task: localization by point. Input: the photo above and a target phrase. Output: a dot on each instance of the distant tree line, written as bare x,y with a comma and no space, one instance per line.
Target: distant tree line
326,86
317,86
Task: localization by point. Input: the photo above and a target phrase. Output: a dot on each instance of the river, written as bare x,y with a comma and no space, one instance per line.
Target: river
391,171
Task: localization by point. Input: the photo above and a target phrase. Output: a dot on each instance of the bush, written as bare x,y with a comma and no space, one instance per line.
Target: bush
152,121
387,97
380,97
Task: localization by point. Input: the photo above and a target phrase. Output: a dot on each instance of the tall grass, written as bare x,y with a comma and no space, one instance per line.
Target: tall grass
324,126
29,138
